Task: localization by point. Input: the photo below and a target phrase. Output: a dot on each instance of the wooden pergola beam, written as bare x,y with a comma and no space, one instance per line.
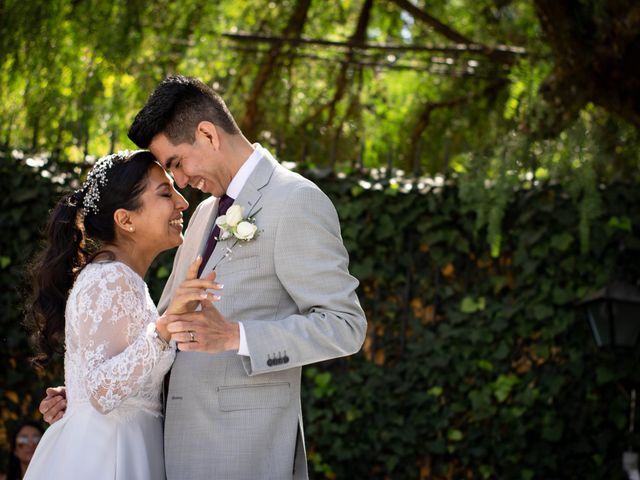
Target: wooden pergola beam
456,49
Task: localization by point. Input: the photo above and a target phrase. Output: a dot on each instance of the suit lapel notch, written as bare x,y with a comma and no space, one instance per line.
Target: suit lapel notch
249,200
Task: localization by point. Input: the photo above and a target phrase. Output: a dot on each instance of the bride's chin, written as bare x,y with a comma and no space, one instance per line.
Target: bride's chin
173,243
179,241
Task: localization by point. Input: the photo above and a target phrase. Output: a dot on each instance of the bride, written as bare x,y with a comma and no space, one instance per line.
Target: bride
116,348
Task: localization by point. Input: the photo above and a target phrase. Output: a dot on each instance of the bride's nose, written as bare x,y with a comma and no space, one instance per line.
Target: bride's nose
181,202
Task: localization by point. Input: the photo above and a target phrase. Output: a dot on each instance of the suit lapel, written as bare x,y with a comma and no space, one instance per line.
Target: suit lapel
249,200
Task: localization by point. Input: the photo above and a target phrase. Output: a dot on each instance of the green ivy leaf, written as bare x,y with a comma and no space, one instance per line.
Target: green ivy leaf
486,471
435,391
604,375
621,223
485,365
562,241
471,305
553,431
503,385
527,474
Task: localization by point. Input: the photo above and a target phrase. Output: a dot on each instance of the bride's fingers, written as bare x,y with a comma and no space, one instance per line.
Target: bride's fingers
200,292
196,296
200,283
211,276
193,268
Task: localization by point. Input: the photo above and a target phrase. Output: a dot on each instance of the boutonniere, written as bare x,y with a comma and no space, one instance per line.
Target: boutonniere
233,224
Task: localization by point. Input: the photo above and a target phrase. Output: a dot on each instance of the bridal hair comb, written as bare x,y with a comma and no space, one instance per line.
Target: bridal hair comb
97,179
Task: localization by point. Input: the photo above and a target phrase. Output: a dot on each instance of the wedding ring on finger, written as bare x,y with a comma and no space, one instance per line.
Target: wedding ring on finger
192,336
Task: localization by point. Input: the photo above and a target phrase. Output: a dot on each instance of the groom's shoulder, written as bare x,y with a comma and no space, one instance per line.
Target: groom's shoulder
288,180
292,189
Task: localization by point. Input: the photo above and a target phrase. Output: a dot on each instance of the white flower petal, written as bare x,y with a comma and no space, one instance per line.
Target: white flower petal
234,215
245,230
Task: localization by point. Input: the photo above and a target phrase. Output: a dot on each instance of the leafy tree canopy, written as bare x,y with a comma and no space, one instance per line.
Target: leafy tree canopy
536,88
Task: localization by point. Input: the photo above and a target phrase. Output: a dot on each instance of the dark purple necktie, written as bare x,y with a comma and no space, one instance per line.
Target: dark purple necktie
223,205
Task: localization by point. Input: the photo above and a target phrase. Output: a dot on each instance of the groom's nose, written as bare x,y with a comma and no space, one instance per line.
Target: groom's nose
181,179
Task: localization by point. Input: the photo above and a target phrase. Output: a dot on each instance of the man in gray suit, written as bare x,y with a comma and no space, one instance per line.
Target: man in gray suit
233,404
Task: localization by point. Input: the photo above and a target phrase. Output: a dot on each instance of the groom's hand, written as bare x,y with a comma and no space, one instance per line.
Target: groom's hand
204,331
53,406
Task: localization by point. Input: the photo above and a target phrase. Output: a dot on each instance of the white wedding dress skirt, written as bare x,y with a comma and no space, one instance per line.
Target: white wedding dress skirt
89,445
114,366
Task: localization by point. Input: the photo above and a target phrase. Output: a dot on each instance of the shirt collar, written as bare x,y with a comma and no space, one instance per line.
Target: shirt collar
245,171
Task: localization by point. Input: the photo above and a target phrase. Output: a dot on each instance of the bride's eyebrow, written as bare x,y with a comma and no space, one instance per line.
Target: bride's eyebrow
163,184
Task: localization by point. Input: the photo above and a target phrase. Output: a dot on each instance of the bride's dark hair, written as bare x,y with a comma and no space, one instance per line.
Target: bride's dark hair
79,224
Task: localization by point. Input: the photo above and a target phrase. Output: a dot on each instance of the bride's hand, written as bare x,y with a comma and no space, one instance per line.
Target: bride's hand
193,291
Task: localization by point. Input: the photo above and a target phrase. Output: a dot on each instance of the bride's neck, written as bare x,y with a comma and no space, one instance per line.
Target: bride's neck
134,260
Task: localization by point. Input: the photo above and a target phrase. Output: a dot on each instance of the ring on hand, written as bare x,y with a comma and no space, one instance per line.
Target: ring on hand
192,336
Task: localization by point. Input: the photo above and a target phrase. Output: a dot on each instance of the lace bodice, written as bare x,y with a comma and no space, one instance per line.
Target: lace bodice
110,359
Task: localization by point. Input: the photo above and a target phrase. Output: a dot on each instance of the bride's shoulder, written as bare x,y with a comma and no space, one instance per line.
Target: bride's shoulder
108,275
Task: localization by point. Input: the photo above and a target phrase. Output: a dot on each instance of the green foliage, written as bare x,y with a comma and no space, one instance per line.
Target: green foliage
72,74
475,365
26,199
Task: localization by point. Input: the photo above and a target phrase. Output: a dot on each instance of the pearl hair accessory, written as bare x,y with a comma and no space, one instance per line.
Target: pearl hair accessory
97,179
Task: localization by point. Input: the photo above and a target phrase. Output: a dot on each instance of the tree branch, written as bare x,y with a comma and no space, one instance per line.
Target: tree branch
457,49
424,117
358,37
294,28
495,54
597,59
433,22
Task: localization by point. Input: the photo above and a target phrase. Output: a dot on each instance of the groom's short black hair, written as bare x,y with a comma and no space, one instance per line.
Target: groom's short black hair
176,107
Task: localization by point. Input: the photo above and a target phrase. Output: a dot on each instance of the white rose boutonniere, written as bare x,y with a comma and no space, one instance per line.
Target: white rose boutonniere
245,230
234,215
234,224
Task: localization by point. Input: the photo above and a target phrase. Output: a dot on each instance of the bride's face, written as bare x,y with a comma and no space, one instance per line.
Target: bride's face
158,222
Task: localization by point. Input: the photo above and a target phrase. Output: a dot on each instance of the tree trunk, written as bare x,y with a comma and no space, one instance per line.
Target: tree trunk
268,68
424,117
36,133
597,59
359,36
352,111
6,145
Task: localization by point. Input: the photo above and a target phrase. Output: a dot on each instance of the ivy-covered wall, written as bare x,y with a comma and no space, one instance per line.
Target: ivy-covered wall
475,366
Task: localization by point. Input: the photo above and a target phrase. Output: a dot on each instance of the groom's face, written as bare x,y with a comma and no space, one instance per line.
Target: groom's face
198,164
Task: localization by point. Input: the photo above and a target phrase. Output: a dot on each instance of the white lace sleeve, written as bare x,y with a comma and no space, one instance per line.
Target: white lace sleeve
117,352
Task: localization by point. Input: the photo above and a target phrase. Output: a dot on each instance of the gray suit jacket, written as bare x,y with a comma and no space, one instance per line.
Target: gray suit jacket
235,417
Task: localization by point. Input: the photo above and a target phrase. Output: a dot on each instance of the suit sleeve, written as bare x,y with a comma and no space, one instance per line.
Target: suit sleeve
311,263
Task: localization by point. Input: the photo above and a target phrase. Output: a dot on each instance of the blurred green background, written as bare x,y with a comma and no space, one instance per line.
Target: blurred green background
483,157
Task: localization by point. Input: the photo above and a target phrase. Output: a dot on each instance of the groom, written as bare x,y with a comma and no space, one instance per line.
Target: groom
233,405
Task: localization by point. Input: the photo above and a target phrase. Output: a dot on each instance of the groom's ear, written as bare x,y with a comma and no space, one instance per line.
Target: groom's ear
209,133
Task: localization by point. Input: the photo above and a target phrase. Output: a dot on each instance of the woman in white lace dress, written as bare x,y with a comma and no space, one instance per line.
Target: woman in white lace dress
116,348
